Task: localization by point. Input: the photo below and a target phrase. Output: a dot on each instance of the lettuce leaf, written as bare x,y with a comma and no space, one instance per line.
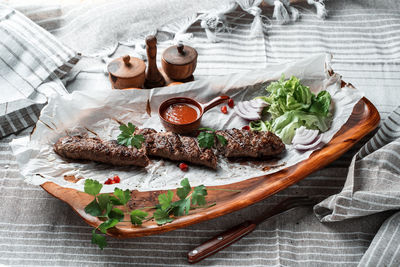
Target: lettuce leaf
321,103
286,125
293,105
287,95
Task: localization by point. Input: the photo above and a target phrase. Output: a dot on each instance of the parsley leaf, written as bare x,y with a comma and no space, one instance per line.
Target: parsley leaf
137,140
123,196
206,129
116,214
108,209
221,139
206,139
107,224
198,195
92,187
94,209
181,207
165,200
128,129
162,217
103,199
137,217
98,239
184,190
115,201
127,137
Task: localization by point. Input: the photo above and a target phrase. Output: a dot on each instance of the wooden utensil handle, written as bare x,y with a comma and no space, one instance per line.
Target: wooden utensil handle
216,101
220,241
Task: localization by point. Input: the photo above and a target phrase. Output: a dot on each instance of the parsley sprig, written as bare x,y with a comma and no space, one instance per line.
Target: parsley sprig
188,200
127,137
103,207
206,138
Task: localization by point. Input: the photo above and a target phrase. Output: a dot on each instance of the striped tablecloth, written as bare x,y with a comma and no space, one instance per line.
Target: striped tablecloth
360,225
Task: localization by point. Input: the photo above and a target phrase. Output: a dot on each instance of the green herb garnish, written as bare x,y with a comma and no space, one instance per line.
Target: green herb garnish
187,201
127,137
206,138
293,105
103,206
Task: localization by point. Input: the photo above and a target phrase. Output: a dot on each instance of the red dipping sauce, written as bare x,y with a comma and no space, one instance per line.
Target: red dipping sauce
181,113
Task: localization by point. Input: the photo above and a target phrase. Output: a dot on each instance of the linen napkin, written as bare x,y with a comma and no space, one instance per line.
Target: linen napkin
372,183
372,186
29,57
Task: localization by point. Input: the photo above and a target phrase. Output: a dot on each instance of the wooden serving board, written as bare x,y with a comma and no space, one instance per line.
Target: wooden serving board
364,119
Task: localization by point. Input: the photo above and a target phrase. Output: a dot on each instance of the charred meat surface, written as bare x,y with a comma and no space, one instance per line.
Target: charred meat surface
78,147
178,148
168,145
253,144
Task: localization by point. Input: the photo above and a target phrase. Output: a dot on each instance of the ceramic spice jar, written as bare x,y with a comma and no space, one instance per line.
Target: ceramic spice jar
179,62
126,72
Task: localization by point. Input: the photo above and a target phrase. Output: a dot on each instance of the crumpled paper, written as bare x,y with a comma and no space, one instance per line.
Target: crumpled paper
99,112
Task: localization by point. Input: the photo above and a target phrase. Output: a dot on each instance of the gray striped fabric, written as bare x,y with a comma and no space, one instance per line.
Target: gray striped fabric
29,56
38,230
372,183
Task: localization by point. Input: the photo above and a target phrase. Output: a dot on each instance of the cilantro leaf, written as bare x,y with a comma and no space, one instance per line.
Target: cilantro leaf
116,214
115,201
107,224
129,129
181,207
123,196
206,129
205,139
137,217
108,209
165,200
92,187
184,190
221,139
137,140
98,239
127,137
103,199
162,217
93,208
198,195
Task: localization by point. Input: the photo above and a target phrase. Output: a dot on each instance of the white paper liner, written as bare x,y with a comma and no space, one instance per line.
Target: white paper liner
98,112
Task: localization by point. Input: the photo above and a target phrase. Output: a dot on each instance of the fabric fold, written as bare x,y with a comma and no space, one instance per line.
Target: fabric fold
372,183
29,58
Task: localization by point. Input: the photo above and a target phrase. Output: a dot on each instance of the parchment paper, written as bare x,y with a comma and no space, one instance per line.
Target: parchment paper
98,111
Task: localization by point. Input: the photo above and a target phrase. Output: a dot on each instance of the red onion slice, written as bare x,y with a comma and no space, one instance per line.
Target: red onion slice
259,102
312,145
304,136
250,110
245,114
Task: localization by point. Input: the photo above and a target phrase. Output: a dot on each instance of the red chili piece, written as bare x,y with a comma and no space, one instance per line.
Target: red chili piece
224,109
184,167
117,179
231,103
247,128
114,180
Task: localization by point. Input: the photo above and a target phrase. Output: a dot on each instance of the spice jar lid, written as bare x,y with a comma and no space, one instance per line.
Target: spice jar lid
126,67
179,54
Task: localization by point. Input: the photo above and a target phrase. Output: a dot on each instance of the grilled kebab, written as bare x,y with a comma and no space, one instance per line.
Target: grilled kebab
240,143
